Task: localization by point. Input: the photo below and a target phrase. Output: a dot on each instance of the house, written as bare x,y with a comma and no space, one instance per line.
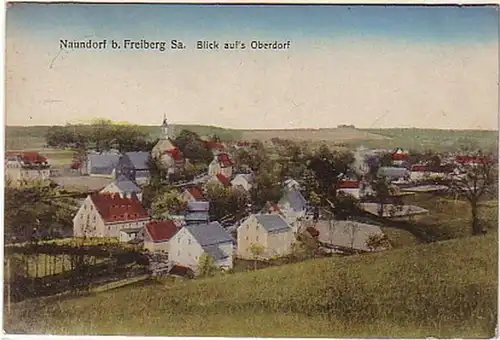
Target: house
215,146
26,166
134,166
269,231
197,212
243,181
242,145
188,245
165,150
124,187
394,211
192,194
271,208
157,234
219,179
105,215
131,235
399,156
419,172
221,164
346,235
293,205
350,187
101,164
394,174
291,184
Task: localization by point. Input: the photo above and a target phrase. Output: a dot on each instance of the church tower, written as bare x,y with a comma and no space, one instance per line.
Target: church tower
165,127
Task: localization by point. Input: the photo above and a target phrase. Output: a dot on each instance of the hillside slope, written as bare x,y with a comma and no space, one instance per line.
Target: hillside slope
446,289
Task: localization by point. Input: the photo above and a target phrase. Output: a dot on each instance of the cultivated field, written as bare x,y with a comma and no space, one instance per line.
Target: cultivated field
18,137
444,289
314,135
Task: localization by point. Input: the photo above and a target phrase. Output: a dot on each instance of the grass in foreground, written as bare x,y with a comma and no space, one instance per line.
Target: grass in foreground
446,289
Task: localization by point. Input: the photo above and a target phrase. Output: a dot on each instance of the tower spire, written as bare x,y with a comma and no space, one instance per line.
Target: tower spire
165,126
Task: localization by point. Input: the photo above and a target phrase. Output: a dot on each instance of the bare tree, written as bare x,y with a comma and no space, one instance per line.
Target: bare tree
473,184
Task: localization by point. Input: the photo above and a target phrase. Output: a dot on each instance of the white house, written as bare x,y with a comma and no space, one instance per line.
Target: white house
157,234
269,231
124,187
293,206
187,246
106,215
243,181
221,164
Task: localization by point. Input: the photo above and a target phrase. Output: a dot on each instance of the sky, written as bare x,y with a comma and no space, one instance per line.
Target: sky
370,66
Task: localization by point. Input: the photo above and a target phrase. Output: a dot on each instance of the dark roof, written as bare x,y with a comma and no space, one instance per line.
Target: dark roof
127,186
273,223
161,230
209,234
392,172
198,206
103,163
197,216
114,208
139,159
295,198
215,252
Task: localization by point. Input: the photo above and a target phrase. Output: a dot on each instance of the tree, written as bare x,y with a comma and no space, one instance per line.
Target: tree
256,250
166,203
35,211
329,168
266,188
206,266
227,202
193,148
476,182
381,192
346,206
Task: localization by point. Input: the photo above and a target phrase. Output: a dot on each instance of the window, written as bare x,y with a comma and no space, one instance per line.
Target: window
178,240
178,253
257,238
189,242
246,238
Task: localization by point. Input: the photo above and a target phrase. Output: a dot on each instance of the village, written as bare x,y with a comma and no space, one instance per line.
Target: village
193,227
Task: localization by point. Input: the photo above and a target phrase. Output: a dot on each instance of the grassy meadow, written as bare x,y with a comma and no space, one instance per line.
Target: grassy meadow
33,137
443,289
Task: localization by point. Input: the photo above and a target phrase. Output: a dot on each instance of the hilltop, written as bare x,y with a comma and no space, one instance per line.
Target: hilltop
33,137
443,289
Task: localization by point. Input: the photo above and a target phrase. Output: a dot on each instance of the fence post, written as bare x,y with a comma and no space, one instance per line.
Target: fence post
8,285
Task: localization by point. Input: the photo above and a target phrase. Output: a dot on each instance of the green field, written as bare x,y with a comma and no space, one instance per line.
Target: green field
444,289
33,137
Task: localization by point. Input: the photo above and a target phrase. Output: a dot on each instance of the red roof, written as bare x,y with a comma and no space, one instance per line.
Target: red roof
162,230
114,208
472,160
399,156
243,143
349,184
224,160
176,154
214,145
224,180
28,156
196,193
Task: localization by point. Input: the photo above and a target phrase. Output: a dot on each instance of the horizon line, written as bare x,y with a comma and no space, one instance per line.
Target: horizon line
272,129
